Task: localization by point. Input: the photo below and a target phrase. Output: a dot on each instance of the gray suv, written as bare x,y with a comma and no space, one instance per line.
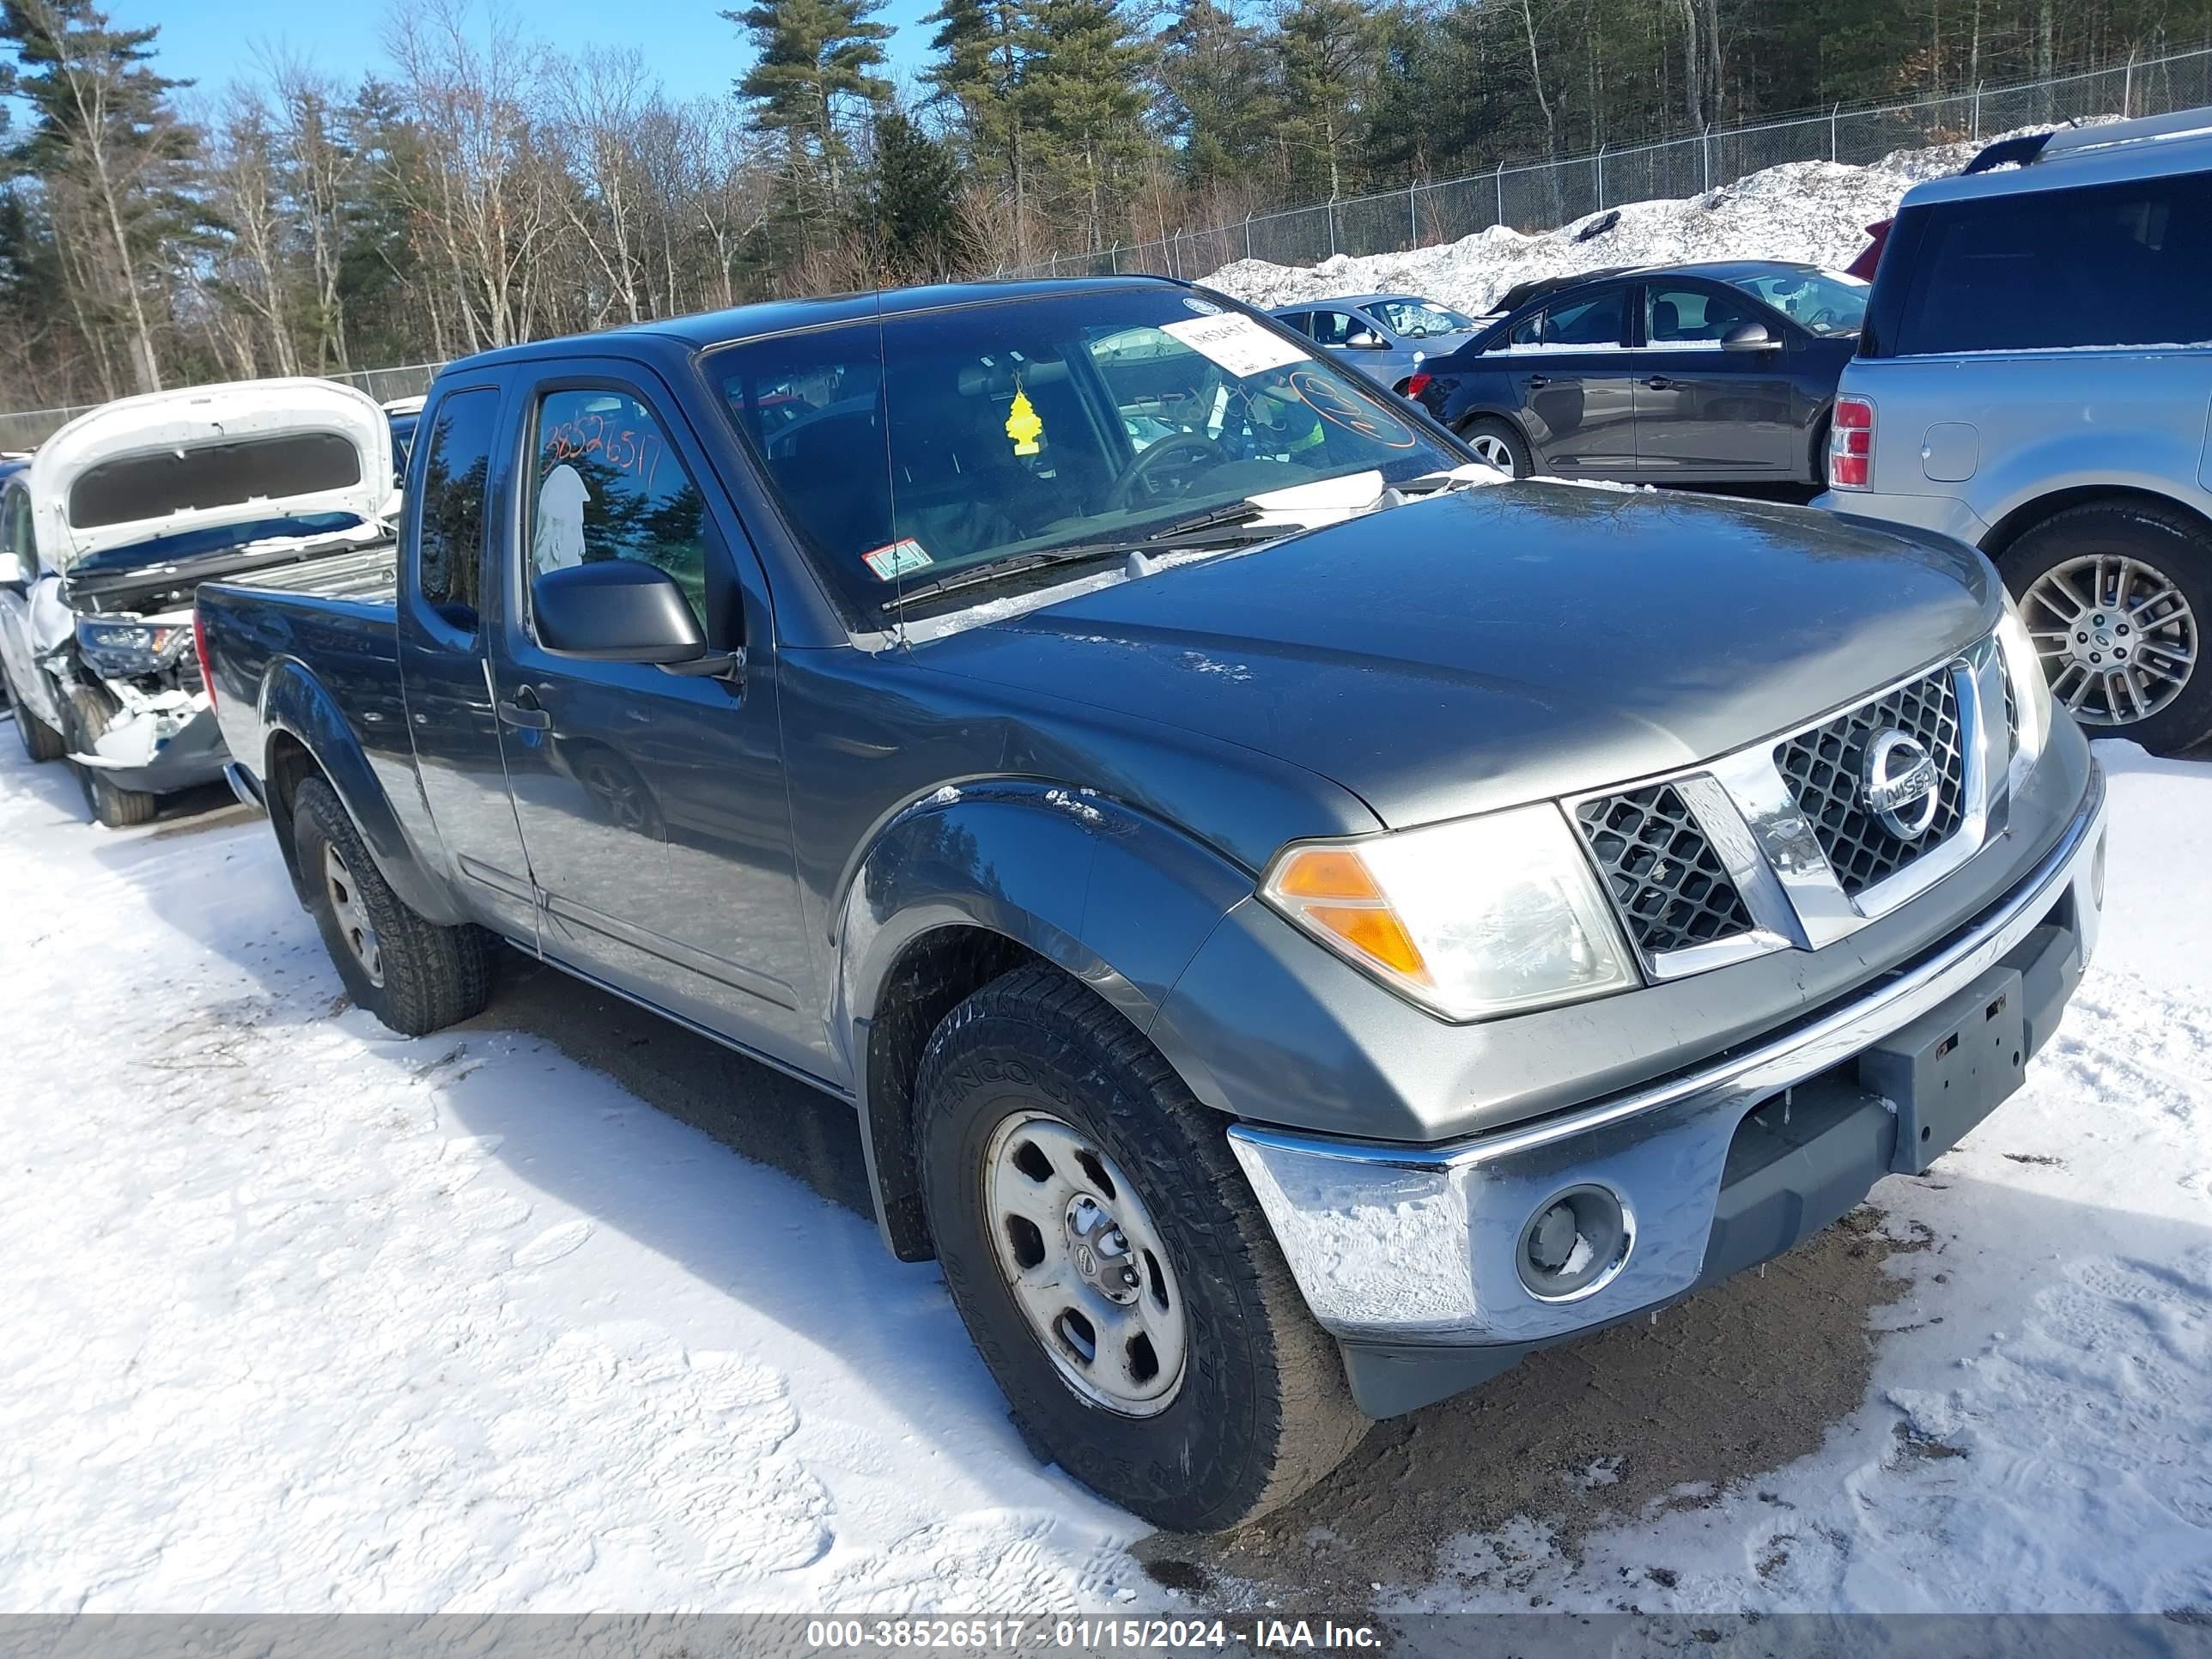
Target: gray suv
2035,377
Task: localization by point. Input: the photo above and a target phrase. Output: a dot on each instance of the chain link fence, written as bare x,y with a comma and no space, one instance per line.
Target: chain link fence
27,428
1545,195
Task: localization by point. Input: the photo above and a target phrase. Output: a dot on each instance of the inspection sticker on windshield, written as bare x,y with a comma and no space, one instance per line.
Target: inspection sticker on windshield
896,560
1238,343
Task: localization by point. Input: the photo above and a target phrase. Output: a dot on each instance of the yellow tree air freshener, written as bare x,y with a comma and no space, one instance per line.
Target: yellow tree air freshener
1023,425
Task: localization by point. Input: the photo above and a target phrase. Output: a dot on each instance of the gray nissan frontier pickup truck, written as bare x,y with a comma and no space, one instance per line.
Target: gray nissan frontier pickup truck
1303,923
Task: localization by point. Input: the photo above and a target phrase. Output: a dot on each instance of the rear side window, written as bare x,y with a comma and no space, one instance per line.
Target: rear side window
455,473
1594,321
2119,265
1590,320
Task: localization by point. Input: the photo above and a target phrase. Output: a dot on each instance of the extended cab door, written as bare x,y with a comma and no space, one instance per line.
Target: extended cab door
1704,411
1568,369
653,805
442,670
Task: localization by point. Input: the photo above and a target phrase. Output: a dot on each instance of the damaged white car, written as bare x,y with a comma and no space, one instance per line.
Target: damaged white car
122,514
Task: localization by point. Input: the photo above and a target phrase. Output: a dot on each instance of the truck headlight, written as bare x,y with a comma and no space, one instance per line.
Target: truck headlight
1488,916
2030,689
120,646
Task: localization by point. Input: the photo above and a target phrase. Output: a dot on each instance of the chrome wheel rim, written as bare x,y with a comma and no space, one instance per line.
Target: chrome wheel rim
352,915
1489,447
1085,1265
2116,637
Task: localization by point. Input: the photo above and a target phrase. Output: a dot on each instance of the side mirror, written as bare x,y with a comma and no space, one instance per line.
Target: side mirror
11,570
1748,337
616,610
1367,340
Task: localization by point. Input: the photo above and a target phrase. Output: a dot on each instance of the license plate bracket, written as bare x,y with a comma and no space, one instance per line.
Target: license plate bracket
1951,1068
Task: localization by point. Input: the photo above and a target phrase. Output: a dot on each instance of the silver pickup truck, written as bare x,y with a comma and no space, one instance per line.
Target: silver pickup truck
1301,922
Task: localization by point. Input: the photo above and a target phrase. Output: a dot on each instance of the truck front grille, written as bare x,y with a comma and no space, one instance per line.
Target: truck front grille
1821,767
1665,878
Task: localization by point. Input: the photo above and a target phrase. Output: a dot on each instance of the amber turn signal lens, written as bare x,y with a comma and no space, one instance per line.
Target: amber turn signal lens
1327,872
1376,932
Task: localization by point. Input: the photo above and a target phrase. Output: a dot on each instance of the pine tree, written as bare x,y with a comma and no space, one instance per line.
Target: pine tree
110,155
983,48
1326,49
1084,95
815,57
1218,100
910,203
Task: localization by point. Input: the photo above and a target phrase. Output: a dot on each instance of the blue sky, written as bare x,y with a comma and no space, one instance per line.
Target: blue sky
684,41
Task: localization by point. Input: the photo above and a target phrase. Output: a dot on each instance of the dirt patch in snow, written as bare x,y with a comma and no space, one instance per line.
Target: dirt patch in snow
1645,1417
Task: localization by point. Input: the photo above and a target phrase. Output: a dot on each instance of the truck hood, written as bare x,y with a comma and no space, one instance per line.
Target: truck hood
204,458
1506,644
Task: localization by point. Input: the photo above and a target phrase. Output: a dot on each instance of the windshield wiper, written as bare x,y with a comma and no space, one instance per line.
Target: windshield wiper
1178,534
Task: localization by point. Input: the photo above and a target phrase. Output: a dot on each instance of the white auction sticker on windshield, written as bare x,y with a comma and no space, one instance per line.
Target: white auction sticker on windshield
896,560
1237,343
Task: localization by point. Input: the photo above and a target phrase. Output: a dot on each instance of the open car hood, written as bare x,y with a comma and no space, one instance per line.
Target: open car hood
143,468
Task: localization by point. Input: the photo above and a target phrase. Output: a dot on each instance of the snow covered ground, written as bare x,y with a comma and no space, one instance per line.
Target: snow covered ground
300,1316
1816,211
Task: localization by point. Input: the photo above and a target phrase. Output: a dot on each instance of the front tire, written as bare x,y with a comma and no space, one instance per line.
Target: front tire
1113,1267
2118,596
1497,442
87,709
412,974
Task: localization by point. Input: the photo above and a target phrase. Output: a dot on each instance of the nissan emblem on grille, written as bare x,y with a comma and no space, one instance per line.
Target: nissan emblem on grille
1899,781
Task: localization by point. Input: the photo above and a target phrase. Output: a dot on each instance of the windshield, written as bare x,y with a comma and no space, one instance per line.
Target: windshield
1420,318
1824,301
1025,426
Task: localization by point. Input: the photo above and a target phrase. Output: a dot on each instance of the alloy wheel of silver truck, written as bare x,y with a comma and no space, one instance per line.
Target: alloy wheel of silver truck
2115,596
1063,1159
414,975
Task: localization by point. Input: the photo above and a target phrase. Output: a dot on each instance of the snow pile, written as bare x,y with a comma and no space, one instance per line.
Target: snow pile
1815,212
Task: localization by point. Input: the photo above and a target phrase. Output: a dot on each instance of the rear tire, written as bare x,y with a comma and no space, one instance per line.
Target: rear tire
1497,442
88,708
1034,1080
39,740
414,975
2113,656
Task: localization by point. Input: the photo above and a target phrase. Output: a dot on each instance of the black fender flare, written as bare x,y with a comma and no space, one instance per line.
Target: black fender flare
295,704
1112,895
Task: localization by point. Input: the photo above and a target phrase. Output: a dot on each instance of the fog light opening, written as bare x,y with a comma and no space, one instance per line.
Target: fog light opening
2097,873
1575,1243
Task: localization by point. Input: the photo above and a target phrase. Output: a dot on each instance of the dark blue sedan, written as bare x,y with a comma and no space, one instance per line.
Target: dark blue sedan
1694,373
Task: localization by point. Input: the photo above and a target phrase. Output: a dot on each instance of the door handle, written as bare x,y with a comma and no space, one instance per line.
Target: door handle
1661,383
1535,380
524,711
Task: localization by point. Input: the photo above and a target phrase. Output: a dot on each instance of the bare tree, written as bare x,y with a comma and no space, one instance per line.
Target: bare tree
481,192
321,170
243,197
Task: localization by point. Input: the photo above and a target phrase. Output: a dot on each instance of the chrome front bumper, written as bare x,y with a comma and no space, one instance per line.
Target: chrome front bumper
1419,1244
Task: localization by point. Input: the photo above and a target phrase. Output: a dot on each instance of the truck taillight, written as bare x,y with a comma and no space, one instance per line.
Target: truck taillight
1851,444
1421,381
199,650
